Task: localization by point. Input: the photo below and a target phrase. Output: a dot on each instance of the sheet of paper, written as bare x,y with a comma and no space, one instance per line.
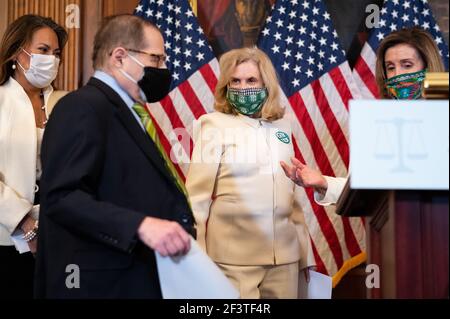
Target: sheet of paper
319,286
193,276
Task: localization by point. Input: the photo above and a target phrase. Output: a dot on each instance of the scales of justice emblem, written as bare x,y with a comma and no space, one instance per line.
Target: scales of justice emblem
391,142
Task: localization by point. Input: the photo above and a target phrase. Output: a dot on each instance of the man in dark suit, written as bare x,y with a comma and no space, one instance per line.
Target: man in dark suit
108,198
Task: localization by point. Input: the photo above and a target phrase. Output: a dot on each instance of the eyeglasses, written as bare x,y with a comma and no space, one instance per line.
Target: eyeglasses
157,59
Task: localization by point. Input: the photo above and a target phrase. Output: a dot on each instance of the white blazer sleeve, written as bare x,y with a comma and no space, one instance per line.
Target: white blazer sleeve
298,217
202,173
13,208
334,191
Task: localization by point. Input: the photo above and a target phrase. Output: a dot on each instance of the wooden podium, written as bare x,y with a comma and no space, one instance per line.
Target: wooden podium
407,237
404,199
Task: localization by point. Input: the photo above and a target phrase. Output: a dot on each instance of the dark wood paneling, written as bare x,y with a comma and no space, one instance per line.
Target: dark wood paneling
408,229
408,240
93,13
435,245
422,244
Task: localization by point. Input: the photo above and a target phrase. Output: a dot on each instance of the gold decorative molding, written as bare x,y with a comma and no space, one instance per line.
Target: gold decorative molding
193,4
436,86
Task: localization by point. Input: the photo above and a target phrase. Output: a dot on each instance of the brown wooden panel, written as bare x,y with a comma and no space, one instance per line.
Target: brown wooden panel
114,7
108,8
3,17
408,239
435,245
374,253
92,15
423,233
408,232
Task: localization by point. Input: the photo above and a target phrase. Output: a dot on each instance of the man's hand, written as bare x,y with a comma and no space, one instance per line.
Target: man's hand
304,176
166,237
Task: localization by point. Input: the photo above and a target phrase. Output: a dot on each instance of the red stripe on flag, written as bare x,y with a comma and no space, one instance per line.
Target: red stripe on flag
165,143
167,146
299,108
341,85
322,218
191,99
330,121
365,73
175,120
327,228
209,76
350,239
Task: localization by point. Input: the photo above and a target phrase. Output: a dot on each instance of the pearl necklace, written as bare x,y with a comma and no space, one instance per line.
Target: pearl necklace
43,108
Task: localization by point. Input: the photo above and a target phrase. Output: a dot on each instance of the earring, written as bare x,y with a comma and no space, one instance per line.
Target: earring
14,66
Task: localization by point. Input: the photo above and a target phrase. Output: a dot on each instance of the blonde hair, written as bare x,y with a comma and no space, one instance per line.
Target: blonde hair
271,110
418,39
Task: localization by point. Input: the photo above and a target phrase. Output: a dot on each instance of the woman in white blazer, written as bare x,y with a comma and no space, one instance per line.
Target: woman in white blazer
29,60
403,58
248,218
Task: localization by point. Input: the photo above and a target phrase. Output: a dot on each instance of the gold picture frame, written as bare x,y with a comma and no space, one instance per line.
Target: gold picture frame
193,4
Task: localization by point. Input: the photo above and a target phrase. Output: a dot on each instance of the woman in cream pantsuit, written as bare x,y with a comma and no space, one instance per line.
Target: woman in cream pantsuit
248,219
29,60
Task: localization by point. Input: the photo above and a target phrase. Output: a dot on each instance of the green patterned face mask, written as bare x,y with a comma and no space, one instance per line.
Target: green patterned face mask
406,86
247,101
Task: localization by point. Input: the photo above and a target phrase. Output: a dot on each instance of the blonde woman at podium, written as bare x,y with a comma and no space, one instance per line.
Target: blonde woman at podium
403,59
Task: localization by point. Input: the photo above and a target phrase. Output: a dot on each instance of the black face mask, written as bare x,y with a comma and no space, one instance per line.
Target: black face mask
155,83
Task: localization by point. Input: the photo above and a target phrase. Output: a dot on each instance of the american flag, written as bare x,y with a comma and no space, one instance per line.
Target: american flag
194,69
395,15
316,79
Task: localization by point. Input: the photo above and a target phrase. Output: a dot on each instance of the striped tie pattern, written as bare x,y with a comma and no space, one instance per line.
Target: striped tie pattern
151,130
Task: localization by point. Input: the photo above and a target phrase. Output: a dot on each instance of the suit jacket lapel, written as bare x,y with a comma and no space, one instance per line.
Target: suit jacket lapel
142,139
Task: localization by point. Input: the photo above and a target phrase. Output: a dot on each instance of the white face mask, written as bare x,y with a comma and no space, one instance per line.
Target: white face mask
42,71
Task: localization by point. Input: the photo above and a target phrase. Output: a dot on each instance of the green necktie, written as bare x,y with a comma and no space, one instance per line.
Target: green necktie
151,130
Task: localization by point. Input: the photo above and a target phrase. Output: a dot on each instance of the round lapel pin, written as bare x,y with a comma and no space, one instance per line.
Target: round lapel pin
283,137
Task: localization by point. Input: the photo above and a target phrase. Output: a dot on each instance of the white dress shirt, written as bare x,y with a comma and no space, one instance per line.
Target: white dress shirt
335,187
